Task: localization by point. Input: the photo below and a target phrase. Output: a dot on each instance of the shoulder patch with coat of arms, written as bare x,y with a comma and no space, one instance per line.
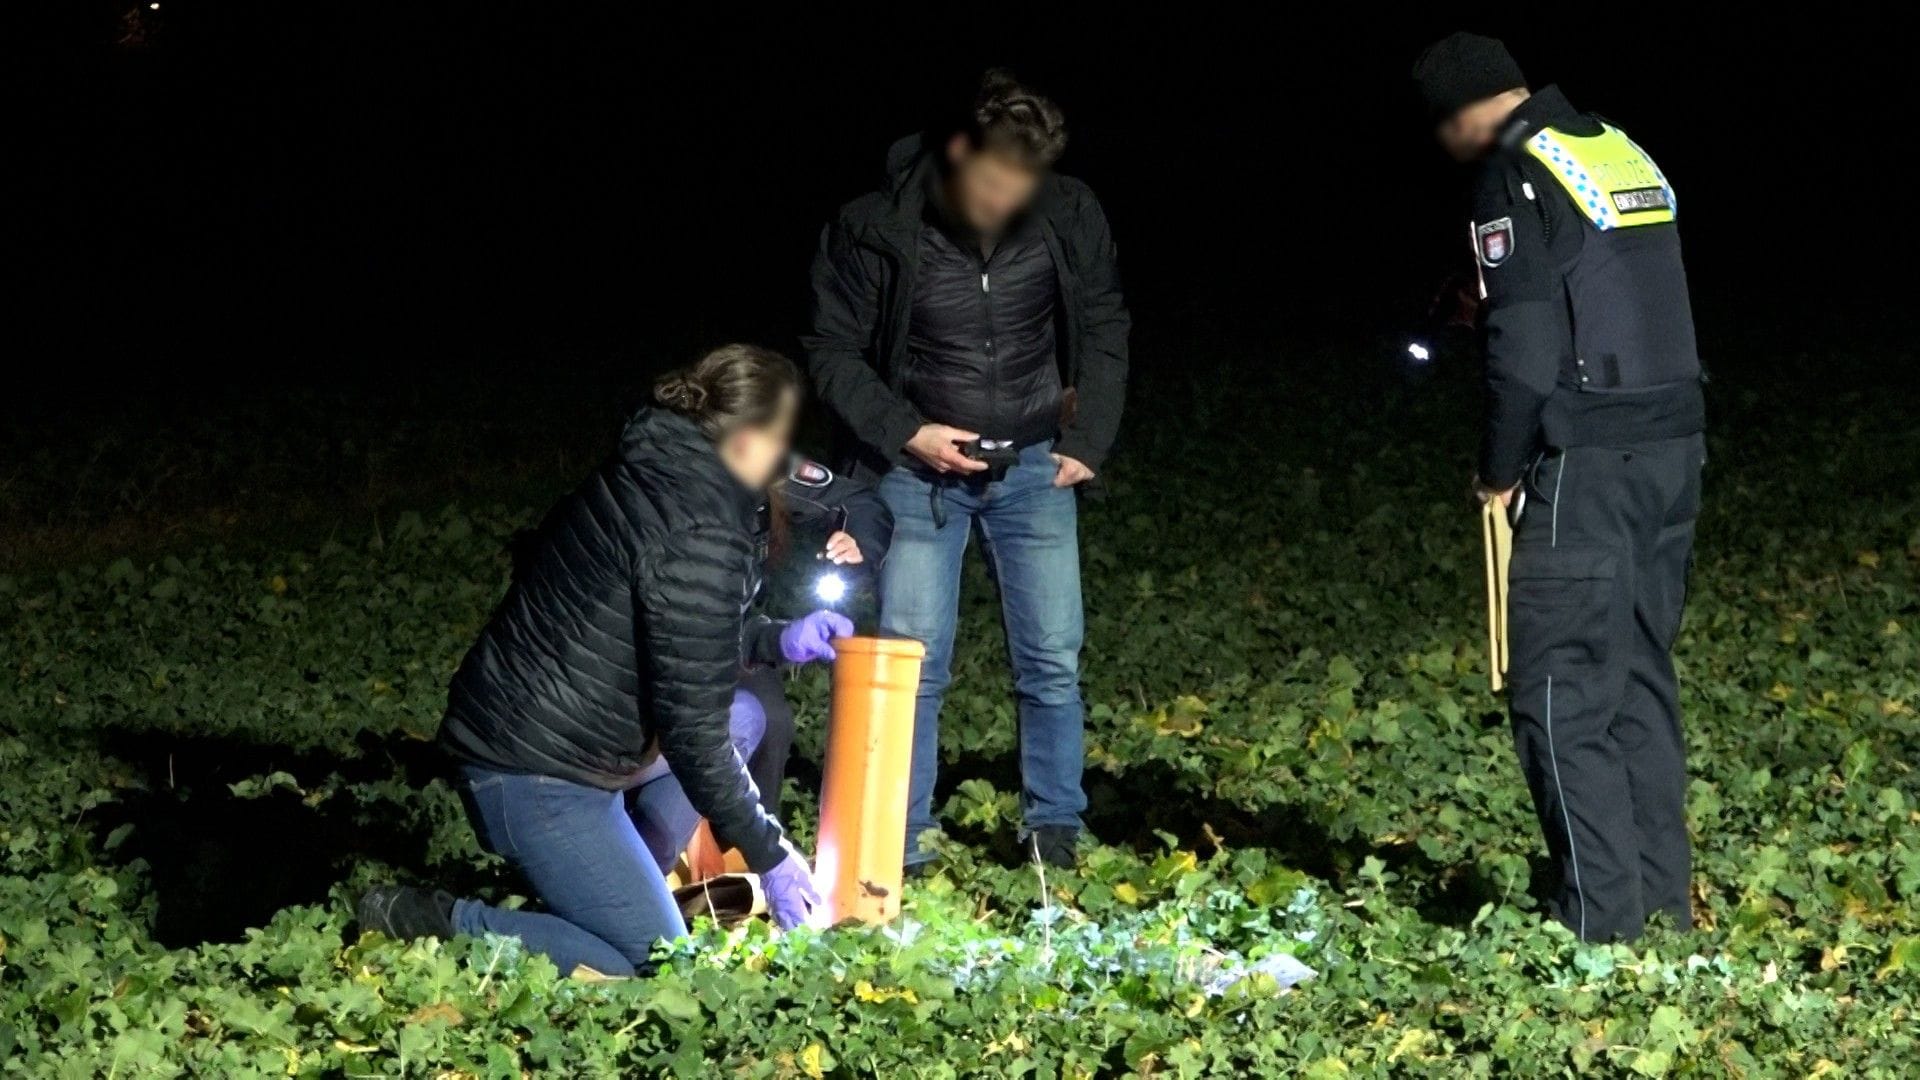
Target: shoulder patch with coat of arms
1493,241
809,473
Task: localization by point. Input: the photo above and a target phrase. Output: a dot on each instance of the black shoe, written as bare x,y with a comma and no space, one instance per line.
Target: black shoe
1055,845
403,912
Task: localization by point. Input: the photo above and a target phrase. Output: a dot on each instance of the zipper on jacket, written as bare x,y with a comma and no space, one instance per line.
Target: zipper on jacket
993,360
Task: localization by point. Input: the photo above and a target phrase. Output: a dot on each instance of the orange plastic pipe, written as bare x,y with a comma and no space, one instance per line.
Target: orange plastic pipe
863,807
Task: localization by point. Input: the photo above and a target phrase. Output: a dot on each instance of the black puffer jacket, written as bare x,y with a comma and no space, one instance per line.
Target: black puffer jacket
981,341
626,633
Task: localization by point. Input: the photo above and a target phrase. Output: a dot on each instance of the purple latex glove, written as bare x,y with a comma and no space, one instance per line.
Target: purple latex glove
791,893
811,638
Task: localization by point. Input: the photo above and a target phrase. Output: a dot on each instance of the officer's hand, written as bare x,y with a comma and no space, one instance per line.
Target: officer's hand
843,550
1071,472
1481,493
938,446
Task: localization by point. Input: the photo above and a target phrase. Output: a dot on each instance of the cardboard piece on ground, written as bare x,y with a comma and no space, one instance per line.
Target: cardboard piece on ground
728,899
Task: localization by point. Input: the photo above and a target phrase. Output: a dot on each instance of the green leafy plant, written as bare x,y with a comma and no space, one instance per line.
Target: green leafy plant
1292,749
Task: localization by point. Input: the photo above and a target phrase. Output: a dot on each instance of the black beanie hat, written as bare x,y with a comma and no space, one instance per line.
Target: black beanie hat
1463,68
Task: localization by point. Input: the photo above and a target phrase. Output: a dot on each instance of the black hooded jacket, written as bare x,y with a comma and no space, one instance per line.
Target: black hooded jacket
625,634
864,277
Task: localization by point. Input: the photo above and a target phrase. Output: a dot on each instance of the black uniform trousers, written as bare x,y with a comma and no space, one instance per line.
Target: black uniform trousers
1599,576
768,765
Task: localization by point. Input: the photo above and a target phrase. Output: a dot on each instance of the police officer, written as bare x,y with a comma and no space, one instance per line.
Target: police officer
859,527
1592,439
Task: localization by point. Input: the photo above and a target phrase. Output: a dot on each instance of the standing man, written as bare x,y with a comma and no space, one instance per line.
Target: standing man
968,328
1593,438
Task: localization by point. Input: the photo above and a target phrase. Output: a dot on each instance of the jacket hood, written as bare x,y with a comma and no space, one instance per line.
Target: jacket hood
904,158
663,443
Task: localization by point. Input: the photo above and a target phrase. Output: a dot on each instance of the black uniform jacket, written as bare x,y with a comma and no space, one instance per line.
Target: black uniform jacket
1589,334
625,634
818,497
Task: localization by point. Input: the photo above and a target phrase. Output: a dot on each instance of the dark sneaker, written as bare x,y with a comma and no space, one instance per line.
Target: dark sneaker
1055,845
403,912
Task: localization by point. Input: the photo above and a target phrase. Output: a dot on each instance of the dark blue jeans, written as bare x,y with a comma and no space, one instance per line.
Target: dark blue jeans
1029,532
597,859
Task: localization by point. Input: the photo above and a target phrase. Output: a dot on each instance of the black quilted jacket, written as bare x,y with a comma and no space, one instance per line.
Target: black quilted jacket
625,635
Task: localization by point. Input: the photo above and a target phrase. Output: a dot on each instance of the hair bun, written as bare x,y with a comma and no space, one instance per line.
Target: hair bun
997,82
730,387
681,394
1012,115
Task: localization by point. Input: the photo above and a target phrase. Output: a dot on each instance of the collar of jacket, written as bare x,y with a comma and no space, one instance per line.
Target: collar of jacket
1545,107
663,441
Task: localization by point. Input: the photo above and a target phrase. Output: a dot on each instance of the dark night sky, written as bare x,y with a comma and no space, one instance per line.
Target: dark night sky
294,190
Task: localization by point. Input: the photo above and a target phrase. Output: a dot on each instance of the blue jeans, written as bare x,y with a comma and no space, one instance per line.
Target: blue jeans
597,859
1029,531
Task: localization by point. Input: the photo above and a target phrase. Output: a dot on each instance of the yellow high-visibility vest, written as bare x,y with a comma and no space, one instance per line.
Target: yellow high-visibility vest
1613,182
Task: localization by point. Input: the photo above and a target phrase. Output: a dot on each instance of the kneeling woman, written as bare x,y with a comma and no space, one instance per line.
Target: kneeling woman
594,721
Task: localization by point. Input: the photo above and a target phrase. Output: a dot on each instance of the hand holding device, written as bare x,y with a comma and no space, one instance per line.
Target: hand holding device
939,446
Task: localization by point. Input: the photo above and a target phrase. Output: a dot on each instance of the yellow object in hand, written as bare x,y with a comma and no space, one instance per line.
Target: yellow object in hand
1497,537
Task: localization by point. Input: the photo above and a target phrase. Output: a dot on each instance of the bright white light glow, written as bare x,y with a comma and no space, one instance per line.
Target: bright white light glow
831,588
154,7
1418,352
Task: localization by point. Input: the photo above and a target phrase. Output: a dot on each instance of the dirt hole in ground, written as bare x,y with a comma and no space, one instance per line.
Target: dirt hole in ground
219,864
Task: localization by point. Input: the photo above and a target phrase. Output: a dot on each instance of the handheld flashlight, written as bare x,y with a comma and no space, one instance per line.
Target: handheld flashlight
830,588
